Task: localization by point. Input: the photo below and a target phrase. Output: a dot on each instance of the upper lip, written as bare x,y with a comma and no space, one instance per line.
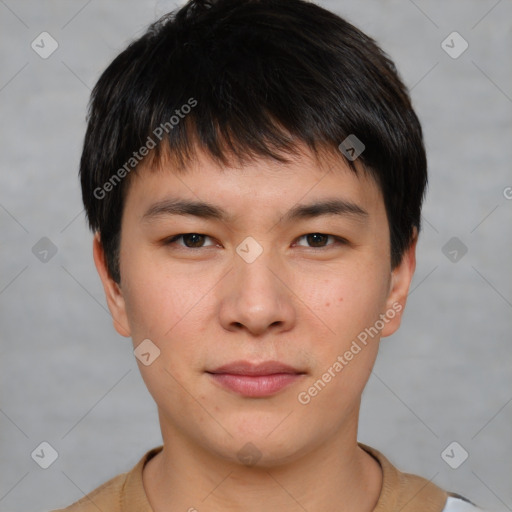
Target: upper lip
248,368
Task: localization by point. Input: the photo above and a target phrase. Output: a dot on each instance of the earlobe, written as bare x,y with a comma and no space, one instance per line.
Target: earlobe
401,278
113,294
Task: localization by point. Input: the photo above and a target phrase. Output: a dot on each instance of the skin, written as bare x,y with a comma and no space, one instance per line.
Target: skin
301,302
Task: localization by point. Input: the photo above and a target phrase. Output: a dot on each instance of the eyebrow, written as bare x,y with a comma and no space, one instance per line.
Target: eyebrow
204,210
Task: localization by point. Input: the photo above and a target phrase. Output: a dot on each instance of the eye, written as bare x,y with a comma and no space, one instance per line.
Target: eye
197,240
318,240
190,240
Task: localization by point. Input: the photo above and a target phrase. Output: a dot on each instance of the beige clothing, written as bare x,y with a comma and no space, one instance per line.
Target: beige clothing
400,491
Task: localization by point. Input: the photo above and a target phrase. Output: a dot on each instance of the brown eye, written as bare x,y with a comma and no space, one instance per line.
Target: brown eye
193,239
190,240
319,240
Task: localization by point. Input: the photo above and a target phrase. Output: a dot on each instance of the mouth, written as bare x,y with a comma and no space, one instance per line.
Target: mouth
255,380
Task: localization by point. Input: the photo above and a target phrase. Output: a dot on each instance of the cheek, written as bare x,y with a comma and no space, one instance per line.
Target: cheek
166,309
345,351
158,300
350,300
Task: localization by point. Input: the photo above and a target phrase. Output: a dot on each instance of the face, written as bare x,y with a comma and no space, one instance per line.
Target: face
279,271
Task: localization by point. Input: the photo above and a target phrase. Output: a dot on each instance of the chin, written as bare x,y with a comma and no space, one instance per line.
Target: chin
259,449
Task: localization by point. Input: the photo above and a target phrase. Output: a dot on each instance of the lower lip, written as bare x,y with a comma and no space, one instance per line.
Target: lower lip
255,385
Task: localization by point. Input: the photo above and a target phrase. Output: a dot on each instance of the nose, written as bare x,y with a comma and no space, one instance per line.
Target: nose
256,297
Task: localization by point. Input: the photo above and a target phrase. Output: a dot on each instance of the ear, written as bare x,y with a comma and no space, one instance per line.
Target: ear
113,294
401,278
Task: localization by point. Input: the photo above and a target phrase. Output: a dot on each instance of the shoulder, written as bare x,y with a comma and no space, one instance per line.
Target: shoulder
412,493
105,497
123,493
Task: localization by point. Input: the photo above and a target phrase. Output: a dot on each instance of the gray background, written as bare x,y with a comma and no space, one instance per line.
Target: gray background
66,376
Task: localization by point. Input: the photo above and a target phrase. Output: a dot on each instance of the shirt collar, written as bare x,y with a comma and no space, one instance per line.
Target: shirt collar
399,491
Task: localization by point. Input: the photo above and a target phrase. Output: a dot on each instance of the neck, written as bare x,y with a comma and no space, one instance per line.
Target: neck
337,475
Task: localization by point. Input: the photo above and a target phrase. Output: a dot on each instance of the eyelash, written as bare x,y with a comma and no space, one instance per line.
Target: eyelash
338,240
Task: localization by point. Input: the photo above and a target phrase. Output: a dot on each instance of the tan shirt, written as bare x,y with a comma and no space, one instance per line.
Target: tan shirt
400,491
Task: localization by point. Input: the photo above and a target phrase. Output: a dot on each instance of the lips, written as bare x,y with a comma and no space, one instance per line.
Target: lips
255,380
252,369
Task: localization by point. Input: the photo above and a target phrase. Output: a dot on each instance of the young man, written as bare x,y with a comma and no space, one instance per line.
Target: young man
254,172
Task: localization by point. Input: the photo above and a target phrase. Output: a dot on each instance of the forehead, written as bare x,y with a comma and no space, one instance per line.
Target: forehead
257,185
